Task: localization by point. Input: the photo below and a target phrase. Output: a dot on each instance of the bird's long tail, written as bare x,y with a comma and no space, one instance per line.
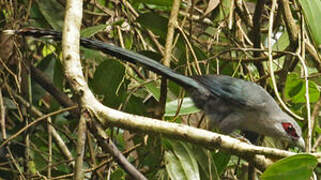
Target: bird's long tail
118,52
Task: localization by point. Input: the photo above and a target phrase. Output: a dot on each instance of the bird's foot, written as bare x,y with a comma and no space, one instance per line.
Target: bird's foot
241,138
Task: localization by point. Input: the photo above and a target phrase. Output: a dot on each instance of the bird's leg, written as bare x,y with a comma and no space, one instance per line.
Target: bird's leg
240,137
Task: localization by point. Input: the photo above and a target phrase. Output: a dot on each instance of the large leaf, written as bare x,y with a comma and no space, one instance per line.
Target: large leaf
173,166
282,42
187,159
108,76
221,160
90,31
109,81
186,108
154,22
295,89
208,169
312,10
297,167
184,161
53,12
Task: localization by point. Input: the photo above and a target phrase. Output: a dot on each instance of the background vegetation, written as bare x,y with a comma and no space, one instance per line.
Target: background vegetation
212,37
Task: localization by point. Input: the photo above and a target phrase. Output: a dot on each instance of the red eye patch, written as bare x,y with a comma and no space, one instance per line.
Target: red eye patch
289,129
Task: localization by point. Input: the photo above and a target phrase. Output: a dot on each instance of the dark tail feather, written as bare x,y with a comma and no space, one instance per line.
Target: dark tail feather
120,53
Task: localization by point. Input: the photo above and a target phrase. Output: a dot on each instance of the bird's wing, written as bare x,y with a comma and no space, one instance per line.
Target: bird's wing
235,90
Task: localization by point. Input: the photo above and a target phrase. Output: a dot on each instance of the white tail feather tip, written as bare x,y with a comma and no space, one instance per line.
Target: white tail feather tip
9,32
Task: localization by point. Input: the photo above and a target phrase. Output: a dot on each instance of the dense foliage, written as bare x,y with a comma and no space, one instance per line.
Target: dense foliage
212,37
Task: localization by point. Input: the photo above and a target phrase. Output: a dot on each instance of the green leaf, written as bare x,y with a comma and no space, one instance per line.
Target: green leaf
48,49
221,160
224,10
59,76
312,10
153,89
90,31
47,66
208,169
190,166
136,106
157,2
297,167
173,166
187,107
282,43
314,92
53,12
118,174
154,22
295,89
9,103
109,81
184,160
152,86
92,54
129,40
32,167
108,75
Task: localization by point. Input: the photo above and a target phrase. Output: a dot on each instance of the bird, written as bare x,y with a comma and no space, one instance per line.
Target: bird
229,103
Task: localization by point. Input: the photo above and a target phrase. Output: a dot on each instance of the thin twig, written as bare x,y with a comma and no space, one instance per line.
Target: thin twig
271,62
59,141
256,34
301,50
167,53
190,47
314,117
108,146
35,122
289,22
49,127
81,140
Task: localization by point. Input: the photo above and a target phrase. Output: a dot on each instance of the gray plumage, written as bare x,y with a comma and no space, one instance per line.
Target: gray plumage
230,103
233,103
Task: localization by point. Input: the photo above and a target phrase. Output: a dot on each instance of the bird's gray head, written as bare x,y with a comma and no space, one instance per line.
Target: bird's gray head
289,130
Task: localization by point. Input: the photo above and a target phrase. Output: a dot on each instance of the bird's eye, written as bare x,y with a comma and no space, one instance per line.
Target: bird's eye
290,129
